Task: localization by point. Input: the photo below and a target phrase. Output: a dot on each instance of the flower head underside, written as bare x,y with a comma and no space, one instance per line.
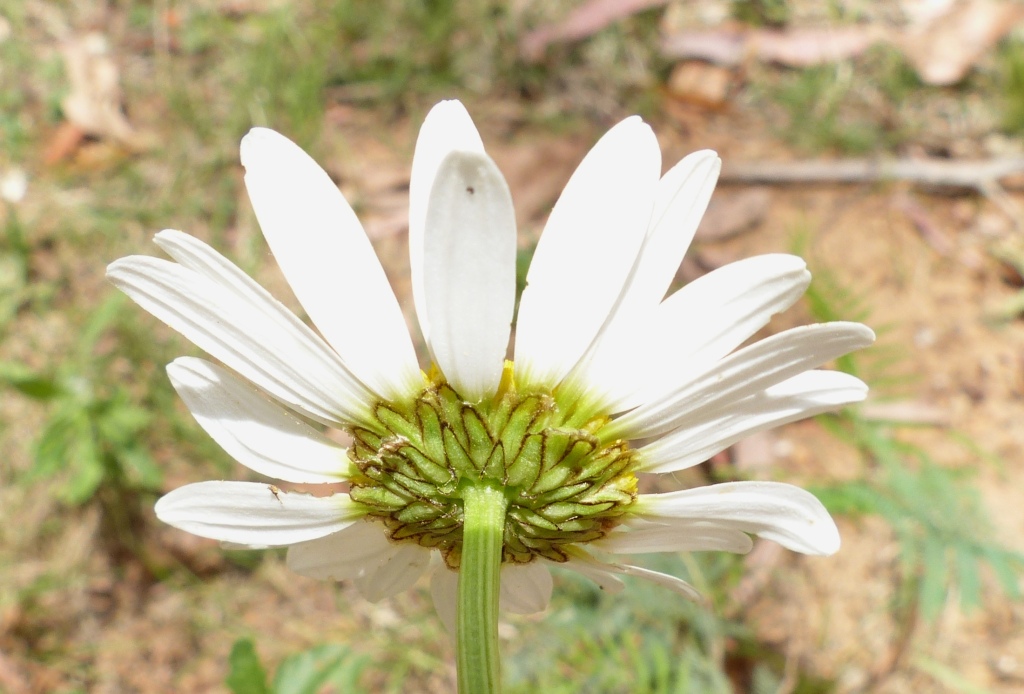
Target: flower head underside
610,378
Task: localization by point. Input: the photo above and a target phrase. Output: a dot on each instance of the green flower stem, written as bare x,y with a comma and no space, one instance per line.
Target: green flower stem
476,636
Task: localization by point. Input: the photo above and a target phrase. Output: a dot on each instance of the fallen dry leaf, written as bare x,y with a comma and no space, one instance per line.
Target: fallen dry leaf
792,48
701,83
722,46
95,102
809,47
944,50
586,20
63,142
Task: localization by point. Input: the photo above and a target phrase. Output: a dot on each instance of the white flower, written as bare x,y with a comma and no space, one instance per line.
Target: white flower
610,378
13,185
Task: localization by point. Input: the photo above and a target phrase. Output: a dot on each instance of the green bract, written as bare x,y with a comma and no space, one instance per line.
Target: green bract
563,484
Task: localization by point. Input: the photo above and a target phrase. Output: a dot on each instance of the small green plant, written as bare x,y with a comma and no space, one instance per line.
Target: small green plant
817,103
637,642
937,516
324,668
851,107
92,447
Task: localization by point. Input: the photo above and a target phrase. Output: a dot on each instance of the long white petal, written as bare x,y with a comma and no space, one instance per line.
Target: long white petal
254,430
642,538
742,374
588,567
444,589
673,583
447,128
780,512
525,588
349,553
469,272
802,396
249,331
251,513
586,252
651,349
680,200
328,261
599,571
397,573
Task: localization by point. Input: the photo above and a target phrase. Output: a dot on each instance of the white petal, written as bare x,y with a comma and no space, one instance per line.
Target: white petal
359,548
446,129
680,200
586,252
328,261
349,554
585,565
239,547
225,313
397,573
254,514
254,430
590,567
525,588
444,589
642,538
673,583
649,350
781,512
362,552
804,395
742,374
470,273
618,365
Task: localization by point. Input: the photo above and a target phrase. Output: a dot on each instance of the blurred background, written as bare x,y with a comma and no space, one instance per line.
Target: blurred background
883,141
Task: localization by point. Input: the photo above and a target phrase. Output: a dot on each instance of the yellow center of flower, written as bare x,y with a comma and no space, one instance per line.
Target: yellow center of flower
563,484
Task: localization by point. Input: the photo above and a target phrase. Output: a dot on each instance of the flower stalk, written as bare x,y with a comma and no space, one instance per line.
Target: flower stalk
478,661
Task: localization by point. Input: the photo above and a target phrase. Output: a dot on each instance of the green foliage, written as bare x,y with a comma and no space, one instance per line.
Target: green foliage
644,640
286,74
246,674
846,107
773,13
637,641
290,61
324,668
15,57
888,71
1011,85
940,521
944,533
92,435
816,102
16,289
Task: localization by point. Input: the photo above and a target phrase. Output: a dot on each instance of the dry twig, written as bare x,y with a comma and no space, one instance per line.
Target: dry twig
981,176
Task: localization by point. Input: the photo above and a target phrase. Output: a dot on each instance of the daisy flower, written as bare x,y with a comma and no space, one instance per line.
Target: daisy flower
609,378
